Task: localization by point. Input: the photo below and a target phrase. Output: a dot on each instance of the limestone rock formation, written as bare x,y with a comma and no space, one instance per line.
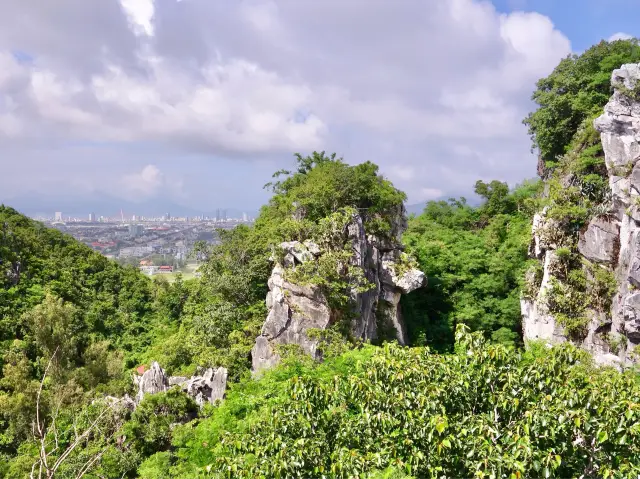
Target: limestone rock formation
152,381
207,388
294,309
610,240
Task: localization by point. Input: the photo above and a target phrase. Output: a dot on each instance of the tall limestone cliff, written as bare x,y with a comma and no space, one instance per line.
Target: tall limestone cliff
589,291
295,307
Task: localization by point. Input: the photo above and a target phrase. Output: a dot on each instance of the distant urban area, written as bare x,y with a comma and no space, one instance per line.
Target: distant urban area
156,245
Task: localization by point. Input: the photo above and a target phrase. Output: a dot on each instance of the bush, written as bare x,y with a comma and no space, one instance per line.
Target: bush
485,411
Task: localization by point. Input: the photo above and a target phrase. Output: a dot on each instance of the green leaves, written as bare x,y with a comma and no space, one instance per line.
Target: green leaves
482,412
475,259
577,88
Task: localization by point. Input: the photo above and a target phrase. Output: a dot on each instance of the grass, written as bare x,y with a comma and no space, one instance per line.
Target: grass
188,272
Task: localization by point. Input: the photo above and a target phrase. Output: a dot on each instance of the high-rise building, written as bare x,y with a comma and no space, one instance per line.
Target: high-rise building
133,218
245,217
58,216
168,216
92,217
135,230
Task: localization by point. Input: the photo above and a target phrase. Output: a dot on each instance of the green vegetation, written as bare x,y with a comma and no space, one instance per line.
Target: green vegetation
484,411
577,90
475,259
58,296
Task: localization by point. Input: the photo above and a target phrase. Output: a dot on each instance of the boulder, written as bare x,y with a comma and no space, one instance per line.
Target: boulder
208,388
406,279
298,250
313,248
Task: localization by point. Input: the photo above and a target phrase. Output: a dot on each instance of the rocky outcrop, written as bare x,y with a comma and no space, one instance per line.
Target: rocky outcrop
153,381
294,309
611,240
207,388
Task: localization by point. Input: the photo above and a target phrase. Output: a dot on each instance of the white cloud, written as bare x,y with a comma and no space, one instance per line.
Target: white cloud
619,36
427,194
140,14
437,87
148,183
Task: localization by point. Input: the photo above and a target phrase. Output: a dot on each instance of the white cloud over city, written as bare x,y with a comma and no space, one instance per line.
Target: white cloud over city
433,91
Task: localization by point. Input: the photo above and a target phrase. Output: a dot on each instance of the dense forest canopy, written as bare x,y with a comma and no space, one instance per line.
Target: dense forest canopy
464,400
475,259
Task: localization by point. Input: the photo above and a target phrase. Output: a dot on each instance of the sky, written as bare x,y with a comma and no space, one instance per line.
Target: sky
193,104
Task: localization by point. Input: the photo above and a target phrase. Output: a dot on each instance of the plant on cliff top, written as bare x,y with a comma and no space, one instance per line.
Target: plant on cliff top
323,184
578,88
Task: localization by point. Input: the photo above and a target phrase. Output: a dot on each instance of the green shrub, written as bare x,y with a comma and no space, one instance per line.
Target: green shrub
485,411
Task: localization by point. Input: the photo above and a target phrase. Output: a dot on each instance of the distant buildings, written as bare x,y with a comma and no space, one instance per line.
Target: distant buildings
58,216
92,217
136,230
135,251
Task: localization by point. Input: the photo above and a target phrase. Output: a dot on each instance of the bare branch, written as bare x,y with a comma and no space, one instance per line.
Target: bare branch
40,424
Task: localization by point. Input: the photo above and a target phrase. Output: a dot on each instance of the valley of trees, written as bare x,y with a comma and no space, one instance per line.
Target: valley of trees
464,399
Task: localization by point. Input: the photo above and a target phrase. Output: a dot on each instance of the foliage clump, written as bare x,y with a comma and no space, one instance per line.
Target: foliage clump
484,411
475,259
577,89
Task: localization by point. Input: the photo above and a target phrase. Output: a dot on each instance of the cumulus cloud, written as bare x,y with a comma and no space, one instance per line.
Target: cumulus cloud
434,91
148,183
140,15
619,36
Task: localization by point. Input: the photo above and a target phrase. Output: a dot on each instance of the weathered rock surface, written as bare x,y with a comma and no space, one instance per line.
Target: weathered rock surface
610,241
207,388
153,381
598,242
294,309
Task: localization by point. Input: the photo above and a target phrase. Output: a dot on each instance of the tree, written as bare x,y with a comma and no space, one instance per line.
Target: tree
475,259
55,330
53,450
577,90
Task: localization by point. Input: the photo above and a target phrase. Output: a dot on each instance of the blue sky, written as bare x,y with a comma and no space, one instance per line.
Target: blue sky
584,22
195,103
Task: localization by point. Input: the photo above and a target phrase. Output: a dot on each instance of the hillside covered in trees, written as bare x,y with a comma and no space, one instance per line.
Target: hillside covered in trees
464,397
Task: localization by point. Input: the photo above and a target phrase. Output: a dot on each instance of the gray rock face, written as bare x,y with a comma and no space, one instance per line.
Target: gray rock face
598,242
208,388
632,317
153,381
611,243
294,309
